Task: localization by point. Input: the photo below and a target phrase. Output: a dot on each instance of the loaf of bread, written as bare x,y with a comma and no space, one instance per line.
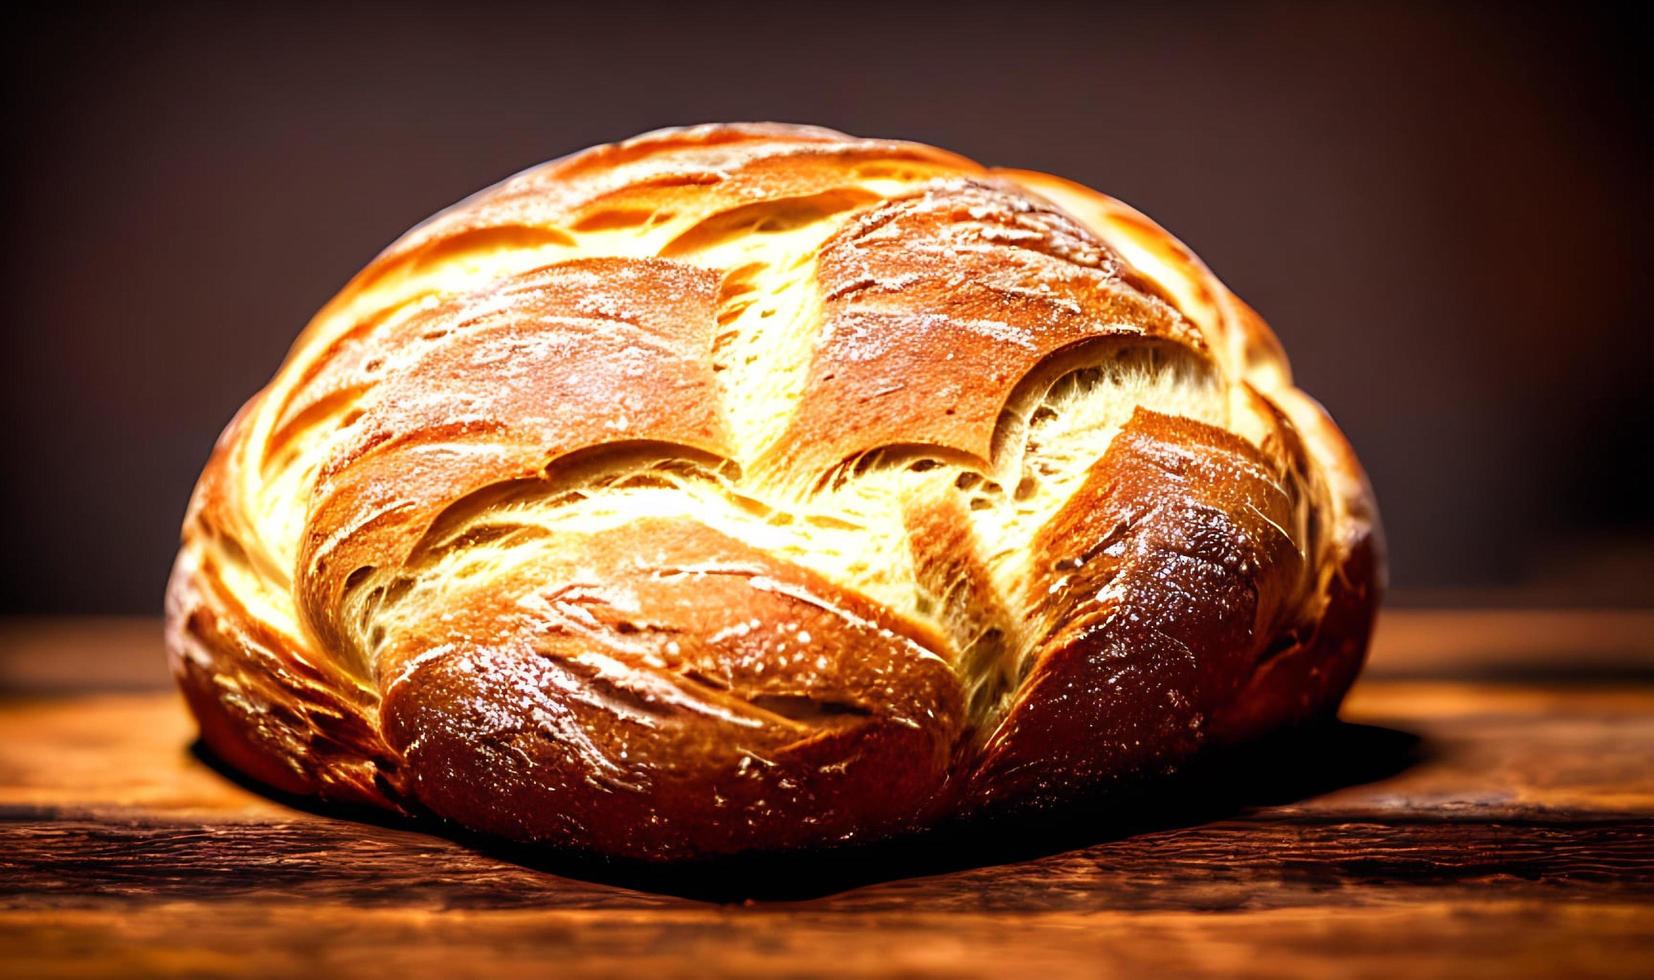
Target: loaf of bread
757,487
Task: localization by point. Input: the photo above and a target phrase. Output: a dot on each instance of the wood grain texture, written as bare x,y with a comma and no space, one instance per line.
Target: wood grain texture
1471,815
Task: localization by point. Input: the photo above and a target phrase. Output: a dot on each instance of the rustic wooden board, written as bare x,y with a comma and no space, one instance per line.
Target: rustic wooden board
1476,813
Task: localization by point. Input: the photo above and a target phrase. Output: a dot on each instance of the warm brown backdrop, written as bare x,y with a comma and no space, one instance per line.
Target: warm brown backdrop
1439,209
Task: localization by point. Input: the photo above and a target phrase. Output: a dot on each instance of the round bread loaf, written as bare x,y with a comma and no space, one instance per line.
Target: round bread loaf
755,487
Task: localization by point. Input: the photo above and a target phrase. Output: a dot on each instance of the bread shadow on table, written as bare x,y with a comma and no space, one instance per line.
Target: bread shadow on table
1307,763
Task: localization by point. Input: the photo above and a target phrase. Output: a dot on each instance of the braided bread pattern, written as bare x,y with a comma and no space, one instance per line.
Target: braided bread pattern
757,487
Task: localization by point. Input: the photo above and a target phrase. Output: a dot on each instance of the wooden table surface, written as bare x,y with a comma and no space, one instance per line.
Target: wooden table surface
1485,808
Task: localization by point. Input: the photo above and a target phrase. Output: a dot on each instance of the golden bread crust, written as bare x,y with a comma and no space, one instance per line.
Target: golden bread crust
753,487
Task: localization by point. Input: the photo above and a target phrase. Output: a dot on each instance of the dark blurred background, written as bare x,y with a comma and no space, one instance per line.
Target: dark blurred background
1440,210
